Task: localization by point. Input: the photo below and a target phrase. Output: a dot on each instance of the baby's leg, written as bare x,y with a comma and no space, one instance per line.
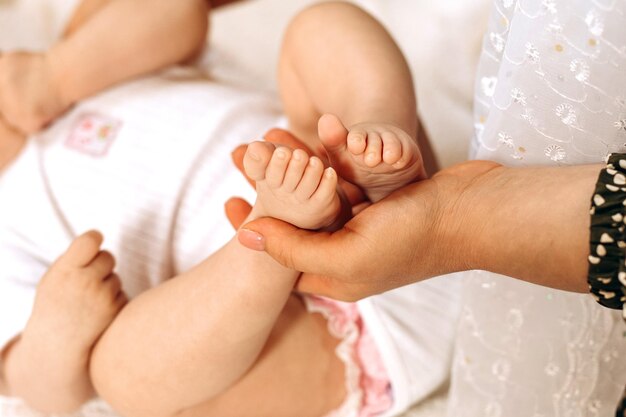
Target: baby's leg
85,10
119,39
337,59
297,374
182,344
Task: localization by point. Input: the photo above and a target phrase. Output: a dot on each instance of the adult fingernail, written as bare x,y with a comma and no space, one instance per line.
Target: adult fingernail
252,240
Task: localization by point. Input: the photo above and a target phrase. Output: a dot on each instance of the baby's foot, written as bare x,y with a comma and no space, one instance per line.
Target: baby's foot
29,98
79,296
291,186
378,157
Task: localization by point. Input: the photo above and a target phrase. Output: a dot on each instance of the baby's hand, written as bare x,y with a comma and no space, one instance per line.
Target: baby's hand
77,299
79,296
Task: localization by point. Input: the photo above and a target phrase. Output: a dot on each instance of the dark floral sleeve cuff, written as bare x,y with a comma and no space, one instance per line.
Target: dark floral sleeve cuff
607,271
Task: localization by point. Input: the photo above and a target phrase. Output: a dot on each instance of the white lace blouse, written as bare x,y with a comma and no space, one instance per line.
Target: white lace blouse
551,90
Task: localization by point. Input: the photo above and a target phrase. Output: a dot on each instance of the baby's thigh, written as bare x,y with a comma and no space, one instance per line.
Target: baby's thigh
297,374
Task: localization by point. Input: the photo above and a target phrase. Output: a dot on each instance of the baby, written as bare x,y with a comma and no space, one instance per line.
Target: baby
229,327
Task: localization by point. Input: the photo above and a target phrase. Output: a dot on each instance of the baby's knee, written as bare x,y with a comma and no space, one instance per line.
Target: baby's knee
192,18
322,19
326,14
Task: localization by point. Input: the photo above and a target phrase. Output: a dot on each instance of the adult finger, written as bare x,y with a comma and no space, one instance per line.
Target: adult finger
237,210
334,288
299,249
353,193
317,285
285,138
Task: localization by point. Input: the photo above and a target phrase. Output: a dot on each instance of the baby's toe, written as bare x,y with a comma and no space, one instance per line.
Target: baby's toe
402,162
256,159
357,141
392,148
373,151
310,180
327,187
277,167
332,133
295,170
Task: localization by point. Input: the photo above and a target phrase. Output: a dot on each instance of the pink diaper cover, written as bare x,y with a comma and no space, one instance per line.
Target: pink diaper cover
368,386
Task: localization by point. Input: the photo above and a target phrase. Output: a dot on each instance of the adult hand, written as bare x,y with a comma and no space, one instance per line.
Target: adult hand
385,246
527,223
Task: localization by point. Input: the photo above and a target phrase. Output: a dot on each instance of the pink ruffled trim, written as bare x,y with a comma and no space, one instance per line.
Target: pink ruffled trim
367,382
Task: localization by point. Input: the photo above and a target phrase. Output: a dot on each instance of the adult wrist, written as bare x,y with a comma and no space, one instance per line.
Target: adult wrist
531,224
456,216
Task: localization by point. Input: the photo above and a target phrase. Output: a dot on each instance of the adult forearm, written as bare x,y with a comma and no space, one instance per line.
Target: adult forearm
531,224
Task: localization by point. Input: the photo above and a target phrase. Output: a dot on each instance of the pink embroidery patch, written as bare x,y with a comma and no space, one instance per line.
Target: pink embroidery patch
93,134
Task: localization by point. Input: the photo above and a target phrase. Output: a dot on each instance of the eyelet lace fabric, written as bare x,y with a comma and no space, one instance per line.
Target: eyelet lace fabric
551,90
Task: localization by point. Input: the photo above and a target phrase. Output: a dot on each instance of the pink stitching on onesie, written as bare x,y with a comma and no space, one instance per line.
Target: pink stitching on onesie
93,134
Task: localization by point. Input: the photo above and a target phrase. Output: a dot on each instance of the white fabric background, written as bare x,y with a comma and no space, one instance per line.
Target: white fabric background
551,90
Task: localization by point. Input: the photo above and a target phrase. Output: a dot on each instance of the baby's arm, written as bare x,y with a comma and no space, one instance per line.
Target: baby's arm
47,365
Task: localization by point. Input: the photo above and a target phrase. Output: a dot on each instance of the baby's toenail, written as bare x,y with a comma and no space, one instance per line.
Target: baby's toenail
297,156
280,154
